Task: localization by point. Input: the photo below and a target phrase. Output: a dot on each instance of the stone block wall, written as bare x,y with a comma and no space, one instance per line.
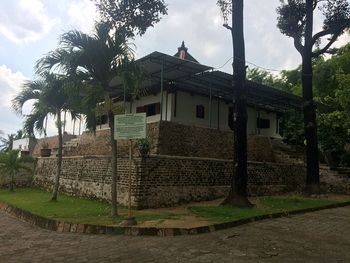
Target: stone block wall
191,141
168,180
160,181
168,138
99,143
22,178
51,141
88,177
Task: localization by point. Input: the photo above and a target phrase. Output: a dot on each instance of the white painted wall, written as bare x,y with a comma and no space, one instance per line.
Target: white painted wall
21,144
251,125
186,112
271,132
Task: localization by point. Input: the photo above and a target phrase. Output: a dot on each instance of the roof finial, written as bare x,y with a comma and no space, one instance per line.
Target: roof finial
183,47
182,53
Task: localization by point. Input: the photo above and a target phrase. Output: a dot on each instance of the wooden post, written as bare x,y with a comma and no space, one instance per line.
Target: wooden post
161,91
74,127
130,160
210,105
79,124
130,221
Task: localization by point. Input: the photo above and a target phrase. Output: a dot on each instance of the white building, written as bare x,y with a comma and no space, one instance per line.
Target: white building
179,89
24,145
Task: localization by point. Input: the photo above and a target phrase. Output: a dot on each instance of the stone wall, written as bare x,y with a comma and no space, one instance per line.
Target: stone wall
22,178
99,143
168,138
85,176
164,180
333,182
167,180
51,141
191,141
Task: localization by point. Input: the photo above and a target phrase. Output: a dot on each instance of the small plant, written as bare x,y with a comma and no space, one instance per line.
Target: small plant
11,164
44,145
143,145
45,151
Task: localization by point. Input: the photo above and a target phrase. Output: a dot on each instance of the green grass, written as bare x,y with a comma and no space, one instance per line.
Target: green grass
78,210
72,209
265,205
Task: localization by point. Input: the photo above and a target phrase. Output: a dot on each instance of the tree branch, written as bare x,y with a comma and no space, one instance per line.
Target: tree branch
320,34
227,26
326,47
298,45
317,2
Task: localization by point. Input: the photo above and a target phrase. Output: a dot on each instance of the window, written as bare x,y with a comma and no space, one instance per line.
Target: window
150,109
100,120
200,111
262,123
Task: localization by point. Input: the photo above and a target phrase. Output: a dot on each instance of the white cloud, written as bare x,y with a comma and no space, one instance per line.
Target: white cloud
199,24
342,40
24,21
10,83
82,15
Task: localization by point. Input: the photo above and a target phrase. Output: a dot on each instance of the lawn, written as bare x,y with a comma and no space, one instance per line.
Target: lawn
263,206
78,210
72,209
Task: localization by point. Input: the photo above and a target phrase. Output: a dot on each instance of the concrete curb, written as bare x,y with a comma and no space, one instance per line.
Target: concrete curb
62,226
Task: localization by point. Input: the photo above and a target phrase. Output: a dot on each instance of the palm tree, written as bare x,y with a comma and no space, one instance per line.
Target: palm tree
7,142
51,98
93,61
11,164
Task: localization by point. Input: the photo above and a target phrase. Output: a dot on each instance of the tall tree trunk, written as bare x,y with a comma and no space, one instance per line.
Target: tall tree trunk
59,158
12,182
309,109
238,192
114,211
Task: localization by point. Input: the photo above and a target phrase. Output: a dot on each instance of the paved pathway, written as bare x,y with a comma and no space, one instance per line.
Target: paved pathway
314,237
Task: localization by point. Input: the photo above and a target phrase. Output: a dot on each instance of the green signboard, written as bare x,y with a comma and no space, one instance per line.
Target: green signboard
130,126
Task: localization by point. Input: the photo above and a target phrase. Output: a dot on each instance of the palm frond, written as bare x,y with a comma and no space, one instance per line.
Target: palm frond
35,121
31,90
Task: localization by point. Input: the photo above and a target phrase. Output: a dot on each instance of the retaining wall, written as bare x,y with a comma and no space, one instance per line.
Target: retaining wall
160,181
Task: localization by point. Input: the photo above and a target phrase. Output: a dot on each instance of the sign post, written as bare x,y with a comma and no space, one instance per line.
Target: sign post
130,127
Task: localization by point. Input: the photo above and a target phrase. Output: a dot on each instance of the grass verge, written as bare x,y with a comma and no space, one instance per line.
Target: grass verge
83,211
72,209
263,206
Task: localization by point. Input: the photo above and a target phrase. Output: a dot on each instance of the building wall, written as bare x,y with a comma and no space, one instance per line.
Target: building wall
21,144
52,142
25,144
100,144
185,112
160,181
22,178
271,132
168,181
193,141
155,98
88,177
171,138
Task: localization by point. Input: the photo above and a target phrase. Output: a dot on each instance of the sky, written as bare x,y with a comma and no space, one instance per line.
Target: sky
31,28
